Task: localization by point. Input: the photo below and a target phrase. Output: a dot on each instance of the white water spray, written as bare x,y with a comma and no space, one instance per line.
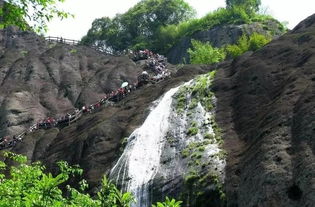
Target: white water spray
140,160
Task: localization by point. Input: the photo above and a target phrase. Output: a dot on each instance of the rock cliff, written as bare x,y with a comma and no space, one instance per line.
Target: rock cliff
265,108
222,35
266,105
41,79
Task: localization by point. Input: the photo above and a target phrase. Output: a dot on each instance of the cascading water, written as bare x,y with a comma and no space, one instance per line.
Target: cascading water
140,160
177,144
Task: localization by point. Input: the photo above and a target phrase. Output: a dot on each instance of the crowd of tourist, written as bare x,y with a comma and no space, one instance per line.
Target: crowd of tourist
155,63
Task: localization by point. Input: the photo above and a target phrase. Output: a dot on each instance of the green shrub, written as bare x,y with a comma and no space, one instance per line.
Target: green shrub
30,185
201,148
73,51
185,153
169,35
204,53
24,53
168,203
257,41
181,99
245,43
209,136
234,51
192,131
191,177
193,103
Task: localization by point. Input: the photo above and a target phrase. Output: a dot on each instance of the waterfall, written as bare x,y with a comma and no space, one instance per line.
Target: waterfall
179,142
140,161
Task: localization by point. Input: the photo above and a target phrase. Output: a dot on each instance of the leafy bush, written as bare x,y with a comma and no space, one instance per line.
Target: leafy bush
204,53
257,41
241,47
209,136
29,185
192,131
169,35
168,203
245,43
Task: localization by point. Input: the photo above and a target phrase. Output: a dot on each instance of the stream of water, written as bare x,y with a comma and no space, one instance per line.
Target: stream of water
163,150
140,160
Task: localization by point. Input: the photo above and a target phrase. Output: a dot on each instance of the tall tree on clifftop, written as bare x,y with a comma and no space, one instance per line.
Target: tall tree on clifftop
37,12
249,5
137,27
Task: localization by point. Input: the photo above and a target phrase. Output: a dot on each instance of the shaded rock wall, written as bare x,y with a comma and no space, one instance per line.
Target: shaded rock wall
266,106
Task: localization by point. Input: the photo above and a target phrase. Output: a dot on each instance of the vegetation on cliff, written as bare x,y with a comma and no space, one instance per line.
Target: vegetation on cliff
204,53
245,43
202,153
159,27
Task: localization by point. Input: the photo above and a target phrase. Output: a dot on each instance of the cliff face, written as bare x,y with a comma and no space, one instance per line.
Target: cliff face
219,36
40,79
266,105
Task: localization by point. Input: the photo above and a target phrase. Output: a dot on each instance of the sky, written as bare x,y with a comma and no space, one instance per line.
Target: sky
291,11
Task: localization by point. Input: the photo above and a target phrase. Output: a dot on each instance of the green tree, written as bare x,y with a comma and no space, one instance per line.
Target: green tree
38,12
29,185
204,53
249,5
137,28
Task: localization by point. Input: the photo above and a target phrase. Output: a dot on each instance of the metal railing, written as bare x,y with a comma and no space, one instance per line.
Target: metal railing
62,40
77,42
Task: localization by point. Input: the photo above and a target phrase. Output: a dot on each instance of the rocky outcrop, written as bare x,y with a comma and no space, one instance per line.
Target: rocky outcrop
41,79
221,35
266,105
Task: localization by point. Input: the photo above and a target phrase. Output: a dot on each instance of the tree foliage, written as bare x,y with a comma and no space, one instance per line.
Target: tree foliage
169,35
29,185
249,5
37,12
204,53
245,43
137,28
159,24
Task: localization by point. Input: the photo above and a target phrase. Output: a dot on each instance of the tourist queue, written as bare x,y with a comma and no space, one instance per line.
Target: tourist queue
154,62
